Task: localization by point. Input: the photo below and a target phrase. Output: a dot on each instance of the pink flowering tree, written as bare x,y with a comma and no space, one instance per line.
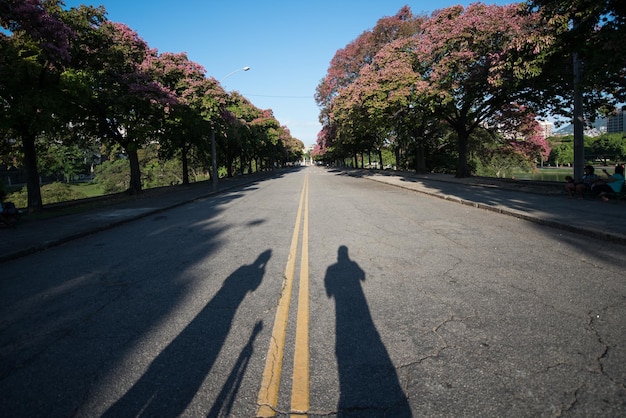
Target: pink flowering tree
517,142
353,134
383,107
34,51
521,132
187,127
128,104
290,147
473,63
236,140
41,22
345,68
323,148
266,134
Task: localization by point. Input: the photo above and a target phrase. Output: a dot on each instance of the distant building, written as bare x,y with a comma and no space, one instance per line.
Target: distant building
616,123
545,128
306,155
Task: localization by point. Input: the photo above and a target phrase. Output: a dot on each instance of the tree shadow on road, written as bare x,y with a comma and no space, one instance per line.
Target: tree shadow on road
368,380
176,374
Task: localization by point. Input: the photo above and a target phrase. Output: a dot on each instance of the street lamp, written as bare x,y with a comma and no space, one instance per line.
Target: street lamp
213,147
233,72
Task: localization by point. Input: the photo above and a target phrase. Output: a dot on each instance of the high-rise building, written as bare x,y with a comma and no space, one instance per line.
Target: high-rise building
616,123
545,128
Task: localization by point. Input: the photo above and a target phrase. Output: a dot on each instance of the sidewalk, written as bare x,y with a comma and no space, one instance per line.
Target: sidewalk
33,235
590,217
548,206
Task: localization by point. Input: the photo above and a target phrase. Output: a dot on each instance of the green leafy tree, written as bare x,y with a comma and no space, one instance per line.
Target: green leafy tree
157,171
609,147
266,132
584,74
113,175
62,161
246,134
562,150
595,30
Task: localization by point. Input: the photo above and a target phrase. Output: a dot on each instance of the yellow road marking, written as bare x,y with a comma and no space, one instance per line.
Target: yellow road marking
268,393
300,379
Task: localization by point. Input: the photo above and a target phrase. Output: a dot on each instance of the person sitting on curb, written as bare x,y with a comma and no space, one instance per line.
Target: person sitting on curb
583,184
612,184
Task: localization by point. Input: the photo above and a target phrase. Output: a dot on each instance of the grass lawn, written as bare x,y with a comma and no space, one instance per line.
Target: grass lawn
557,173
545,174
88,189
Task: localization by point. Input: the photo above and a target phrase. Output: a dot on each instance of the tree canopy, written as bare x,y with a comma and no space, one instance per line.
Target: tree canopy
467,71
72,77
33,57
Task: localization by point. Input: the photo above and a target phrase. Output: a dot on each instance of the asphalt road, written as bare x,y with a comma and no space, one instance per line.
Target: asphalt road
417,307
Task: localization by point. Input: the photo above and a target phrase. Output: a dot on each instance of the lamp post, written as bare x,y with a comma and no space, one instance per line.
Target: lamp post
233,72
213,147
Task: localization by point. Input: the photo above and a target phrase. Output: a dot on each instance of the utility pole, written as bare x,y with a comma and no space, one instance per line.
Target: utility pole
213,162
579,123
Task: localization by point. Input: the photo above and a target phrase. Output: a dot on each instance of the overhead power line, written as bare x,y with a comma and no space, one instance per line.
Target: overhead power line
278,97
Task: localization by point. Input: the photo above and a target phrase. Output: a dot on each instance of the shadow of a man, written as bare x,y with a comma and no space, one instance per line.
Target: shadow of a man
176,374
367,377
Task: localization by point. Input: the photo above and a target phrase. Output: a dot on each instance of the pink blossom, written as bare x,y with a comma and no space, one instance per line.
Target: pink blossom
34,18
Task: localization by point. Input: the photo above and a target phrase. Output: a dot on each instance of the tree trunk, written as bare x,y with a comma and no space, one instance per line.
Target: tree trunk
242,163
185,163
462,166
135,171
420,157
397,154
578,122
32,173
229,166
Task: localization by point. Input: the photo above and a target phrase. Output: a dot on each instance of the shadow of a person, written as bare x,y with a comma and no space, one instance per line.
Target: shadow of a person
226,398
176,374
367,377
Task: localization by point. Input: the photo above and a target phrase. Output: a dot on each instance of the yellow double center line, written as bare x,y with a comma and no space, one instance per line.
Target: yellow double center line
268,394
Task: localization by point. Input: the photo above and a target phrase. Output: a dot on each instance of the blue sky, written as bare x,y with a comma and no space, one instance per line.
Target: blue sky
288,44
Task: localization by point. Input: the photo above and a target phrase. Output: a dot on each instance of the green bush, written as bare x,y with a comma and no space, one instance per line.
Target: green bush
158,173
113,176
